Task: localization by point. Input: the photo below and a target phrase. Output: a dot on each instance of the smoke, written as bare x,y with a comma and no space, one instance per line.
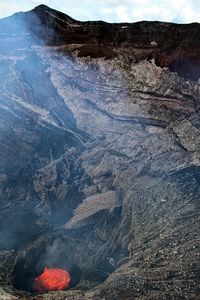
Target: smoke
36,128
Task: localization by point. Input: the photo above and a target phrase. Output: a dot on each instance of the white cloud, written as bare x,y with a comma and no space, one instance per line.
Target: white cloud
182,11
122,14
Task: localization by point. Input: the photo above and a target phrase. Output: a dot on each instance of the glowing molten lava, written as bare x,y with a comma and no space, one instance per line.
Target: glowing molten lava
51,280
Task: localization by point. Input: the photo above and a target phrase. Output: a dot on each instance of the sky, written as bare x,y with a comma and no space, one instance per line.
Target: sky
179,11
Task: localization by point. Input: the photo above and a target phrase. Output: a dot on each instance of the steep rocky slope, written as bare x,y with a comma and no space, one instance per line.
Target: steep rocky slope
100,156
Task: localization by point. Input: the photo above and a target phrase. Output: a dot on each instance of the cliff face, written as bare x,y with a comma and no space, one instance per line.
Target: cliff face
100,154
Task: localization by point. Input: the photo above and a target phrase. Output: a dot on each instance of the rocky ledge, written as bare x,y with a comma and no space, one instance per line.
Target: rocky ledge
100,156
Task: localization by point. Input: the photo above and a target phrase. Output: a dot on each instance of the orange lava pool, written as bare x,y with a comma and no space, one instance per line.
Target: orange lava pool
51,280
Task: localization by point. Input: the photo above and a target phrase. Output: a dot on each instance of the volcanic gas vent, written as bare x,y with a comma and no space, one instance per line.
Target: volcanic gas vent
43,268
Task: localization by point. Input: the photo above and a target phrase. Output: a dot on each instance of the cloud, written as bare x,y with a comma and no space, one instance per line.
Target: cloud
9,7
181,11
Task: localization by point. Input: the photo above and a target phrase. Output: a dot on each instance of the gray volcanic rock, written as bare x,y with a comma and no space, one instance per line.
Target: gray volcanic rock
100,148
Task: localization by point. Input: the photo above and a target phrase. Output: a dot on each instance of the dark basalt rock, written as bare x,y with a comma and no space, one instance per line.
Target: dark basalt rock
171,45
100,156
